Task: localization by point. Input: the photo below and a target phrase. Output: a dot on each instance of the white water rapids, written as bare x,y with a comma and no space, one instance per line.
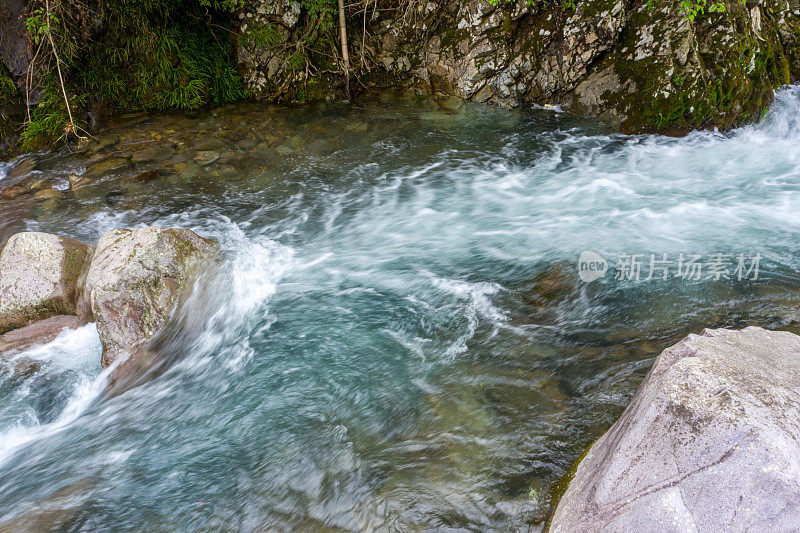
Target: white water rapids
378,351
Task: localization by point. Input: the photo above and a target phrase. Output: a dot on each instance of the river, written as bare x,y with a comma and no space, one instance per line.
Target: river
398,337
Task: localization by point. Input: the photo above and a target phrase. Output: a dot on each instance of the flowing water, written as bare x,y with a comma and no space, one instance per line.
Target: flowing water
397,338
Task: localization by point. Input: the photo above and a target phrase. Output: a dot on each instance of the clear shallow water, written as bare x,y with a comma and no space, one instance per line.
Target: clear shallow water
398,338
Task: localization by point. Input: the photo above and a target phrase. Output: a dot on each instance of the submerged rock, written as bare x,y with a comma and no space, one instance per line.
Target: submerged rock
39,275
55,512
106,166
135,280
550,285
23,368
76,181
47,194
22,169
148,175
9,192
154,152
709,443
206,157
40,332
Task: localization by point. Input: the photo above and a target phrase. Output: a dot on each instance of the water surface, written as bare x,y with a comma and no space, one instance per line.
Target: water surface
398,338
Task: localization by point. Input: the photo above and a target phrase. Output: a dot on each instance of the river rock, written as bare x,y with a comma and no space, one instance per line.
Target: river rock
102,168
158,151
47,194
76,181
148,175
40,332
56,512
710,442
136,279
22,169
9,192
206,157
39,276
550,285
23,368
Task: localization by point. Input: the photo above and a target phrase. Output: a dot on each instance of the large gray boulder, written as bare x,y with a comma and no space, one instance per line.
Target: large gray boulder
136,279
39,276
710,442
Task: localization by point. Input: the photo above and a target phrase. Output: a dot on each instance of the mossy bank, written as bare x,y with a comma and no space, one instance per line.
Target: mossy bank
642,66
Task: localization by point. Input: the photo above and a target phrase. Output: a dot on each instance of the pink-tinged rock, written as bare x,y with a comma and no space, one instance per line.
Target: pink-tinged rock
40,332
137,278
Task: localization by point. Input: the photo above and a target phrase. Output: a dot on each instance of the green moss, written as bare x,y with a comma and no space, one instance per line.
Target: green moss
149,55
11,112
49,119
593,8
261,35
560,487
726,86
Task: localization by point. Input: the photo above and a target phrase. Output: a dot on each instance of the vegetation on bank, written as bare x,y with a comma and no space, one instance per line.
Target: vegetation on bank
154,55
120,55
92,58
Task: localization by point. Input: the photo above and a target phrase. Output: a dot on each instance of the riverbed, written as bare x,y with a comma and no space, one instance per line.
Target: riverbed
402,338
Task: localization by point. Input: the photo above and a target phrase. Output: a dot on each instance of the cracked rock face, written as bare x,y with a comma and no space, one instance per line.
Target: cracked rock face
39,277
135,280
641,66
709,443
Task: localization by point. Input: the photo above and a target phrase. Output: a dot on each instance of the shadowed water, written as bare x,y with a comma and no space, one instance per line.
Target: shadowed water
397,338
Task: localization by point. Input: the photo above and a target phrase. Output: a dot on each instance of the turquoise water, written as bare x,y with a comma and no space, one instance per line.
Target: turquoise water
397,338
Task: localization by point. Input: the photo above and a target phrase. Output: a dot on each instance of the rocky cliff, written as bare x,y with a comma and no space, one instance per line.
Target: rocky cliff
641,65
644,66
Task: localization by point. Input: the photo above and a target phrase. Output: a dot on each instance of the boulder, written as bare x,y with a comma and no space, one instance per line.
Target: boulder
39,277
176,339
40,332
136,279
710,442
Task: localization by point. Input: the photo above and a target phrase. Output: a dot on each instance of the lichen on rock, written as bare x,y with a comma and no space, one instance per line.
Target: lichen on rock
135,280
39,277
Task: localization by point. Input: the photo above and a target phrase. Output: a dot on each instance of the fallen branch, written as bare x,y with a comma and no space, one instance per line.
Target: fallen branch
345,54
70,127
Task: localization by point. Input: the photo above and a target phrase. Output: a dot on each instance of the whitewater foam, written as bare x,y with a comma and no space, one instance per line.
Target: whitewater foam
76,350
